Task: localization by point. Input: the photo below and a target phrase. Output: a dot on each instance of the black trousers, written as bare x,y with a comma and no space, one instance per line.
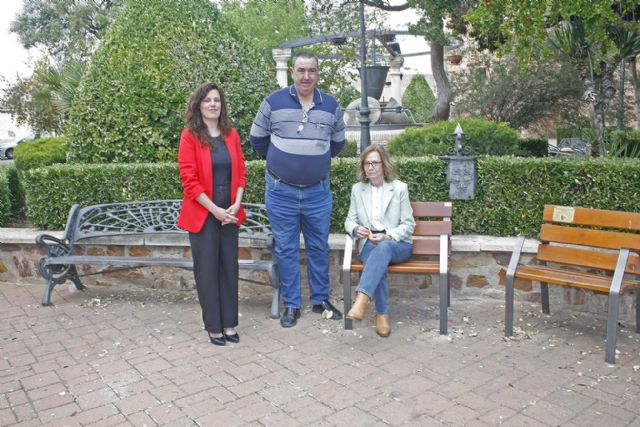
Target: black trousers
215,267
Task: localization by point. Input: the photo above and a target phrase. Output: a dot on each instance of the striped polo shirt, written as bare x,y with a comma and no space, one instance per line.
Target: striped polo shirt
298,144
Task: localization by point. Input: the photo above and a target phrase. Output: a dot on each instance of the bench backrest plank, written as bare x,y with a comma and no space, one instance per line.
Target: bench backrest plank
427,231
589,237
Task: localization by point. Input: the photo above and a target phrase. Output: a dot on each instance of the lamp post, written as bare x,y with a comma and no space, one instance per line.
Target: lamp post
365,137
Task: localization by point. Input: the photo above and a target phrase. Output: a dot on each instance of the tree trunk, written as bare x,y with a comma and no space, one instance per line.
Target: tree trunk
443,87
633,76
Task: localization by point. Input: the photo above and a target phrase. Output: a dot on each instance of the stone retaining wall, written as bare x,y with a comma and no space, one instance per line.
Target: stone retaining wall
477,269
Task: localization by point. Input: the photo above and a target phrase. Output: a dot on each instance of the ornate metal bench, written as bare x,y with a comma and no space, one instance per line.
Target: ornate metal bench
90,224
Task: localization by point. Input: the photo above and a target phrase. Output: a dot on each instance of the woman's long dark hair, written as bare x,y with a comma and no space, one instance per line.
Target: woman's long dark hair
193,118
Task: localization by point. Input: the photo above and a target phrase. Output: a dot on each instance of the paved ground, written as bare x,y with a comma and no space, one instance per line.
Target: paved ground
112,357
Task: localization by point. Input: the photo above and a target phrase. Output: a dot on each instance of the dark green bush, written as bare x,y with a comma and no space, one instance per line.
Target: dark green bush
481,137
131,100
533,147
419,98
5,202
510,193
41,152
350,149
624,144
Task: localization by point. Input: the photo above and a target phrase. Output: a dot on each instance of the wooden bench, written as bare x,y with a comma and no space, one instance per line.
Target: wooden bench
574,243
431,250
94,224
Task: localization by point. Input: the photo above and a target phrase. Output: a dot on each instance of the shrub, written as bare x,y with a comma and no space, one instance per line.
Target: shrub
624,144
419,98
510,195
131,99
481,137
350,149
5,202
40,152
533,147
12,203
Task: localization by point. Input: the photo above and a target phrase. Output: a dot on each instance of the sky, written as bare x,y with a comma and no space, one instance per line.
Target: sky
14,56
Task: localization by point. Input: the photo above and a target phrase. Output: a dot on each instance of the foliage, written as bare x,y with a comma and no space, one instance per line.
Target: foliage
350,149
499,89
130,105
267,23
29,100
533,147
624,144
12,197
481,137
510,192
64,29
40,152
419,98
5,202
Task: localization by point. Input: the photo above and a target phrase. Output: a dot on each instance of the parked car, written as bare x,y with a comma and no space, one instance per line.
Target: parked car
6,148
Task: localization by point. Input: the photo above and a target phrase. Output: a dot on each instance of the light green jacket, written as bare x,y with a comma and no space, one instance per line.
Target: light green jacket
398,215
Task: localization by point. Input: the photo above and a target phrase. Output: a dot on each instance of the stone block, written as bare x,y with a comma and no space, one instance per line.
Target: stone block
3,268
455,281
95,251
23,267
574,296
522,284
244,253
139,251
115,250
476,281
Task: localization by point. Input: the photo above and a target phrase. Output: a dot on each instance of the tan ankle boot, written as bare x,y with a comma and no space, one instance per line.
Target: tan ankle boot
383,325
359,308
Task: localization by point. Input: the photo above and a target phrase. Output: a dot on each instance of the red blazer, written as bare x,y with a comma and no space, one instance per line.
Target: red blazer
196,175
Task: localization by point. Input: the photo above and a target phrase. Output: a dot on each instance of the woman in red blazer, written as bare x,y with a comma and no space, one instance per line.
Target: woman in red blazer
212,173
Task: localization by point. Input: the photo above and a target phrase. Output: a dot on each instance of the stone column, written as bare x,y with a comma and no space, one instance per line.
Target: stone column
395,77
281,56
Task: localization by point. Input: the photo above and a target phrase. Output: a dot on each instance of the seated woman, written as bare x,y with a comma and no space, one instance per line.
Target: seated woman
380,216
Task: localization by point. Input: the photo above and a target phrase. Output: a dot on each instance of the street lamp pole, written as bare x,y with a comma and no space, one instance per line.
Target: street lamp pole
365,137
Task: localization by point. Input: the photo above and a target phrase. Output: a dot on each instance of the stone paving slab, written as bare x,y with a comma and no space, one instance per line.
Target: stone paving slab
139,357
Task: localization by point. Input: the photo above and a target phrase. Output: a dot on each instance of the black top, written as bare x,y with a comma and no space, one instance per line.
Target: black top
220,162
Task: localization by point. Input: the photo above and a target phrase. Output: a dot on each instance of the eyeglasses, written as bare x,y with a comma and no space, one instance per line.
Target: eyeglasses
305,119
369,164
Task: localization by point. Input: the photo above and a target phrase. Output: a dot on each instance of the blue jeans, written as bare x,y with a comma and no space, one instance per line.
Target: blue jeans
291,210
376,259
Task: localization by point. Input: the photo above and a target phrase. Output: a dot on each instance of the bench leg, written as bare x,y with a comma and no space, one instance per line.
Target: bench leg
612,327
544,296
445,302
73,276
346,297
46,296
508,307
274,278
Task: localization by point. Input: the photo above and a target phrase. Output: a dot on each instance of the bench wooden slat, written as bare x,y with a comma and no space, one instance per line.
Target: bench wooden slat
577,279
599,218
427,267
587,258
432,209
587,237
426,247
432,228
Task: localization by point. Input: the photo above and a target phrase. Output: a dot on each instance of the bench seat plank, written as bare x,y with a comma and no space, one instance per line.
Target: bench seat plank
561,276
427,267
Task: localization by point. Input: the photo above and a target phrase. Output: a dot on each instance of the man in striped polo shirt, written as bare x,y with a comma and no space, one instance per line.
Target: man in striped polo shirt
299,129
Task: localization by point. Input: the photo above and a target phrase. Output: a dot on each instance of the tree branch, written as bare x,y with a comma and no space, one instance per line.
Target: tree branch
385,6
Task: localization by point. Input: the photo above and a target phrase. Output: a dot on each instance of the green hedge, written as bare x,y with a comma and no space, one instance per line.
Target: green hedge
5,201
510,194
533,147
41,152
481,137
624,144
12,197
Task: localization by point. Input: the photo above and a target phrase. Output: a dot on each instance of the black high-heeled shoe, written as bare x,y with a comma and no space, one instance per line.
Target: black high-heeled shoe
218,340
235,338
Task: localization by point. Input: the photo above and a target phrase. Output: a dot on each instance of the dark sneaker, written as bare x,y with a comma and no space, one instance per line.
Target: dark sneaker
327,306
289,317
